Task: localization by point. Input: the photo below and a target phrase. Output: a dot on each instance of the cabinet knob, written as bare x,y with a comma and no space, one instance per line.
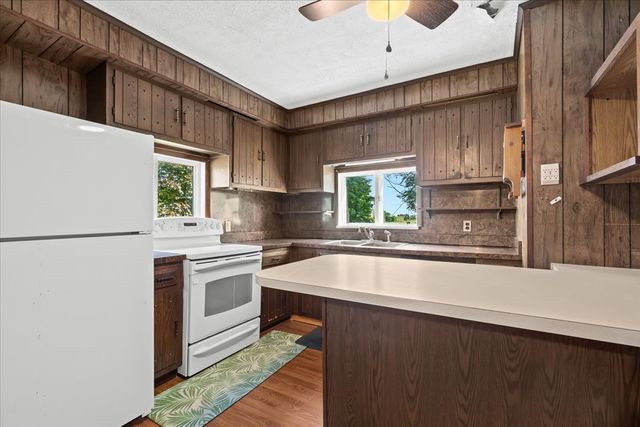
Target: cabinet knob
361,140
177,117
368,139
184,117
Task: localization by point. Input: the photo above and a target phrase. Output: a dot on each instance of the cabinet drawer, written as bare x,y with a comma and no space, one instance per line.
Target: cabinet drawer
167,275
275,257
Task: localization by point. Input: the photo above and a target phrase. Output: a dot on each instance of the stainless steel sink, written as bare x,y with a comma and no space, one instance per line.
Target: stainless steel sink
365,243
347,242
383,244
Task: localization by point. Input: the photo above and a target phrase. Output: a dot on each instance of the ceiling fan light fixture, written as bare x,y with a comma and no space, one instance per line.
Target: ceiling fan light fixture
386,10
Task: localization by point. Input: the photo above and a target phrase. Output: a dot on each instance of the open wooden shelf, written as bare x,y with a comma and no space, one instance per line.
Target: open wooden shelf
622,172
613,147
304,212
497,209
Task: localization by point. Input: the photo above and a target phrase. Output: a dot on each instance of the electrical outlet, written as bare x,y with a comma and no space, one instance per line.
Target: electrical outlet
550,174
227,225
466,226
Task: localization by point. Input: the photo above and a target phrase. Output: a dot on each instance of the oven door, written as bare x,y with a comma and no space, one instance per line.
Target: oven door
223,293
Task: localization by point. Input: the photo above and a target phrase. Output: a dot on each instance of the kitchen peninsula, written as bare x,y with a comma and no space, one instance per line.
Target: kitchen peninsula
411,342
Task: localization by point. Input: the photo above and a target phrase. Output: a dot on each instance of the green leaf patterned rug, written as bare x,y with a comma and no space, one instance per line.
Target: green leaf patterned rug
199,399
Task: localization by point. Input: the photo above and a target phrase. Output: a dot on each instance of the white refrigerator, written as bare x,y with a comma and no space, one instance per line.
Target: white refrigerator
76,271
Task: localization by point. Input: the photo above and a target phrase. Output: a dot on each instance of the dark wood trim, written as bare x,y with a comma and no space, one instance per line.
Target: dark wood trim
460,100
408,82
531,4
147,38
528,129
87,56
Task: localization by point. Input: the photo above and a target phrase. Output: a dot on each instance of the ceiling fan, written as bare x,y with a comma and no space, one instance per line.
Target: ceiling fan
430,13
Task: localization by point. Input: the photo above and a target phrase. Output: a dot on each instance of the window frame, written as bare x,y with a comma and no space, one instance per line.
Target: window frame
199,173
378,205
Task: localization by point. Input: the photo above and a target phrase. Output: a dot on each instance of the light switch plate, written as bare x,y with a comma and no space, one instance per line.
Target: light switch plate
550,174
227,225
466,226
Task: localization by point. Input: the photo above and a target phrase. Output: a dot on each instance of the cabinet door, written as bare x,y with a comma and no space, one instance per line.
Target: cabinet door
172,114
158,115
470,133
344,143
144,105
167,329
125,108
305,163
247,153
274,160
199,122
375,138
440,137
188,122
501,116
453,143
423,129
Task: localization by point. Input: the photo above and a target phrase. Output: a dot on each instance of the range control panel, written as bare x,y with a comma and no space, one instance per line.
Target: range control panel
186,227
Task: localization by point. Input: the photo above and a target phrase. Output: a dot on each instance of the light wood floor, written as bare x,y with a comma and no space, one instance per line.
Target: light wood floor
290,397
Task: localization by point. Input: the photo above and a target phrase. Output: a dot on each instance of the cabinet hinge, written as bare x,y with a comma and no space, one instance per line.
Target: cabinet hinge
113,113
113,79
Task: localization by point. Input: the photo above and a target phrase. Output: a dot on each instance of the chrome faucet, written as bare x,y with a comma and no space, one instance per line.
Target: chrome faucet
368,232
388,234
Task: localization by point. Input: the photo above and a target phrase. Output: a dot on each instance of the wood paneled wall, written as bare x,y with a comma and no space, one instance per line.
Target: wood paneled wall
28,80
76,35
594,225
472,81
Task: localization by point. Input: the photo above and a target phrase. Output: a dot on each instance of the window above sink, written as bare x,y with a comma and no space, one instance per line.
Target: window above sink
377,198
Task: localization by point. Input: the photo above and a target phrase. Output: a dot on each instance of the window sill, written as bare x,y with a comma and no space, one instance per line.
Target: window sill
380,227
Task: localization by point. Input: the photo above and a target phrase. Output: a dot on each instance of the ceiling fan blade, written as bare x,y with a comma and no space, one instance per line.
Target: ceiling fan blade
320,9
431,13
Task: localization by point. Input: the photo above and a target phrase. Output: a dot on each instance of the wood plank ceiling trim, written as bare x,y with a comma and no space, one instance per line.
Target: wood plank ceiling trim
79,36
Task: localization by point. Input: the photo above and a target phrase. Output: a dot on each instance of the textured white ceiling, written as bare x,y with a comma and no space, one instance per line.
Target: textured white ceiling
268,47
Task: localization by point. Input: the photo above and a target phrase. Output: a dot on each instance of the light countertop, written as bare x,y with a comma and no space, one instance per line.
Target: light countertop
411,249
573,302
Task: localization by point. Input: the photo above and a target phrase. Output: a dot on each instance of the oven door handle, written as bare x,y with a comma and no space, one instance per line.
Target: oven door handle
222,264
208,350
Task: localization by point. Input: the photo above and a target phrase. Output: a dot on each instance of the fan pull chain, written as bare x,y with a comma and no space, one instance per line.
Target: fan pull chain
388,49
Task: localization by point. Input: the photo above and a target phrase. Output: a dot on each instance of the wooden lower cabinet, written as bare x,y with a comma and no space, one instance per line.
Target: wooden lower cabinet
301,304
275,304
167,318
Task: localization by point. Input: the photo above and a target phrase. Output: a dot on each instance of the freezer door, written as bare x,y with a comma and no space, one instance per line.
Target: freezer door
64,176
76,331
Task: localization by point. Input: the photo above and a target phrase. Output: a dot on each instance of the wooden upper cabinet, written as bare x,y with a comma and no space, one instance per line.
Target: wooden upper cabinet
275,160
462,143
343,143
247,147
259,157
388,137
306,170
123,99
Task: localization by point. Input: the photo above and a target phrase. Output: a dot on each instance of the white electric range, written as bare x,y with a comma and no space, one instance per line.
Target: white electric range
221,296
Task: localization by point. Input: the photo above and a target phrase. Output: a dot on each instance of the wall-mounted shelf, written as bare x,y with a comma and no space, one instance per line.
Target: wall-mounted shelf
304,212
462,181
498,210
613,149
